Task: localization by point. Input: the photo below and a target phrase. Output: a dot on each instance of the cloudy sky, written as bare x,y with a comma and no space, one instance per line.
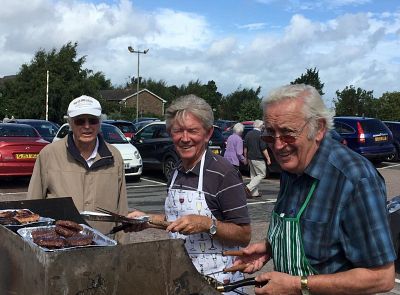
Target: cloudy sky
236,43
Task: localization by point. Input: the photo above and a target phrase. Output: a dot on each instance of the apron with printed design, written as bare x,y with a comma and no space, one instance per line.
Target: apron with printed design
204,251
284,235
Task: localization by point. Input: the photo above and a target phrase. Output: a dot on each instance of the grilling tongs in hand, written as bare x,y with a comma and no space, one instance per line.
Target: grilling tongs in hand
126,221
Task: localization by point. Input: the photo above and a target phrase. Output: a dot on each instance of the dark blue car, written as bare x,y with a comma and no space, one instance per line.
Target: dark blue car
367,136
395,128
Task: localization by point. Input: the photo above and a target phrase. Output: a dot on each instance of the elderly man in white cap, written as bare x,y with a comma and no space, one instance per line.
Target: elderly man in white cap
82,165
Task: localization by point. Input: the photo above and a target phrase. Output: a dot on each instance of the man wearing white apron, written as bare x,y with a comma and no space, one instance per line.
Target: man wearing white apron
206,202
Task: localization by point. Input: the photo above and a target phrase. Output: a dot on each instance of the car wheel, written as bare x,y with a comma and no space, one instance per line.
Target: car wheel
169,167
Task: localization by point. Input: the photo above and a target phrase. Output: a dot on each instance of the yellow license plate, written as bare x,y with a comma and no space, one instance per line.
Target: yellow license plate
25,156
380,138
215,152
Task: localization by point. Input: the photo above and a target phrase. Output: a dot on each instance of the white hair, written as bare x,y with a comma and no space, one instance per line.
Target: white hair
238,128
313,109
258,124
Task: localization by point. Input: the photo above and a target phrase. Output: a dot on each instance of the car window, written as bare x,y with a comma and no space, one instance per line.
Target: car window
148,132
63,131
217,135
112,134
17,131
373,126
343,128
44,129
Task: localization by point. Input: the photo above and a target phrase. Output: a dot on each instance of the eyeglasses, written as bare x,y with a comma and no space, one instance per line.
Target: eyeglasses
286,138
82,121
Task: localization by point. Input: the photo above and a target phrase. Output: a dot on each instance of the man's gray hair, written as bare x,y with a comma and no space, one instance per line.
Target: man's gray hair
189,104
258,124
238,128
314,107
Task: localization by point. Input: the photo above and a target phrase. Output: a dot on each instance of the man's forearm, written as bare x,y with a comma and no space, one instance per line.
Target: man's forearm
354,281
233,234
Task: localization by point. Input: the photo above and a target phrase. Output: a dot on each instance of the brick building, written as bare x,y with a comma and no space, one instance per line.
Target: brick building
149,103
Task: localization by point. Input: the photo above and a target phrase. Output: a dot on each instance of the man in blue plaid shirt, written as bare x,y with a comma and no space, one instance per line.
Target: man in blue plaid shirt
329,232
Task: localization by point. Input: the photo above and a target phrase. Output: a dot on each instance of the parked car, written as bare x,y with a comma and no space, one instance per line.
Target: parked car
335,135
46,129
157,149
367,136
141,124
141,119
225,124
114,136
395,129
20,145
127,127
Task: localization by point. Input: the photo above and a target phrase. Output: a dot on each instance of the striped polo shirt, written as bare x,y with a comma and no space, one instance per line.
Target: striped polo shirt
222,186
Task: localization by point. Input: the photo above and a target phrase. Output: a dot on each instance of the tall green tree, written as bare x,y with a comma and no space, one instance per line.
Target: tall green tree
67,79
389,106
311,77
355,102
242,104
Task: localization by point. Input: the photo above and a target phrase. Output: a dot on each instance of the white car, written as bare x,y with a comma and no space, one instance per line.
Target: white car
112,135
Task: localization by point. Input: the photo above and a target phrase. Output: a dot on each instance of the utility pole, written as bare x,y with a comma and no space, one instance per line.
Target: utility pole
47,96
131,50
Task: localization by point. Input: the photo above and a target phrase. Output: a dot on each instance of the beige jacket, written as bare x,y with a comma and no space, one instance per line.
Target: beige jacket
60,171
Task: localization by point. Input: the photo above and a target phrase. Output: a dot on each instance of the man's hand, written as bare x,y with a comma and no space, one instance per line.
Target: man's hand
278,283
254,256
190,224
139,226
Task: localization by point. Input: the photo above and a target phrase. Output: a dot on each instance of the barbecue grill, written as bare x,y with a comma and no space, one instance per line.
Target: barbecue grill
158,267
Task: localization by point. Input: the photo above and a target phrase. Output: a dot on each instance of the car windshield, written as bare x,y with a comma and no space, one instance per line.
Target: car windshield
17,131
373,126
112,134
45,129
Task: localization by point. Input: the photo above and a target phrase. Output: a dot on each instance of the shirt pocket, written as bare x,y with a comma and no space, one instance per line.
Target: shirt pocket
315,240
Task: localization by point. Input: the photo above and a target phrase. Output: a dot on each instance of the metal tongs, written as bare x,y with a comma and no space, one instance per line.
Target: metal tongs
126,221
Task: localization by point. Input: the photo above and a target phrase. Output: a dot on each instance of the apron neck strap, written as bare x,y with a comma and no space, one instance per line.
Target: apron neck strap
310,193
200,183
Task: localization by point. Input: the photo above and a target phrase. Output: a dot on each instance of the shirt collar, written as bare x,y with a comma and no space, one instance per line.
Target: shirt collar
196,169
320,160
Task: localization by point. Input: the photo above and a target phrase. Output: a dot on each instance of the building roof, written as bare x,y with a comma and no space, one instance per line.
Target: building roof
122,95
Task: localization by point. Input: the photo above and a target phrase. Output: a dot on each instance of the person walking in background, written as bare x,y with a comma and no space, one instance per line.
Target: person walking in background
234,147
255,151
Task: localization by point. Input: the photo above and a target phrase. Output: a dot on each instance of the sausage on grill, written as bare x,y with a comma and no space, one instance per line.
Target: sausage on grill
70,225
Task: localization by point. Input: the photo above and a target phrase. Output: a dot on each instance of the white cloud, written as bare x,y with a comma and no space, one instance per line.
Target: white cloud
361,48
253,26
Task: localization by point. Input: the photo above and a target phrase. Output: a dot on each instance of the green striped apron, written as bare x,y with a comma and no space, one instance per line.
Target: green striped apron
284,236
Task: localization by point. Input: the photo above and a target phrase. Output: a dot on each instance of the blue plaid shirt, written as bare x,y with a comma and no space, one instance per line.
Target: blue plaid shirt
345,225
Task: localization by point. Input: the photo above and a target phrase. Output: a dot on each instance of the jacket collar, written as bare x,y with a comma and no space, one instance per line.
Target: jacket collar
104,156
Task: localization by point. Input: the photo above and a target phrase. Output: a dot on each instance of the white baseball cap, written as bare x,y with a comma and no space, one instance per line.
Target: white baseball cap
84,105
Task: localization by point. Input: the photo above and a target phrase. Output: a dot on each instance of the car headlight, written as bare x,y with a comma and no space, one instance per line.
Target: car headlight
137,155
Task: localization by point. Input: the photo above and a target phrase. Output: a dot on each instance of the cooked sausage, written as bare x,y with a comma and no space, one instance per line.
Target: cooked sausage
44,232
79,240
7,214
70,225
51,243
9,221
65,232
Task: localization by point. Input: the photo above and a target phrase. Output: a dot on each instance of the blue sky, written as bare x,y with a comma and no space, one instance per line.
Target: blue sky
238,44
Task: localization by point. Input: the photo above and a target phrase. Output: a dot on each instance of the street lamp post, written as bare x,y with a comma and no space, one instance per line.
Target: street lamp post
131,50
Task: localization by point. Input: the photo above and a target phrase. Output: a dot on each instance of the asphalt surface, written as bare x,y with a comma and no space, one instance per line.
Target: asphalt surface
148,195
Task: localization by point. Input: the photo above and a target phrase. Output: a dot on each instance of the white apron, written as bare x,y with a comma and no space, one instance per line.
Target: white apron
204,251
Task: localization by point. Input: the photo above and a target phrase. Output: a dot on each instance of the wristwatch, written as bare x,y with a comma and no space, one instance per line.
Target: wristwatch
304,286
213,228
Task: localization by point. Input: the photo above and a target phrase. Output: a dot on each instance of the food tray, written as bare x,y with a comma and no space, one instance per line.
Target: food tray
40,222
99,239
